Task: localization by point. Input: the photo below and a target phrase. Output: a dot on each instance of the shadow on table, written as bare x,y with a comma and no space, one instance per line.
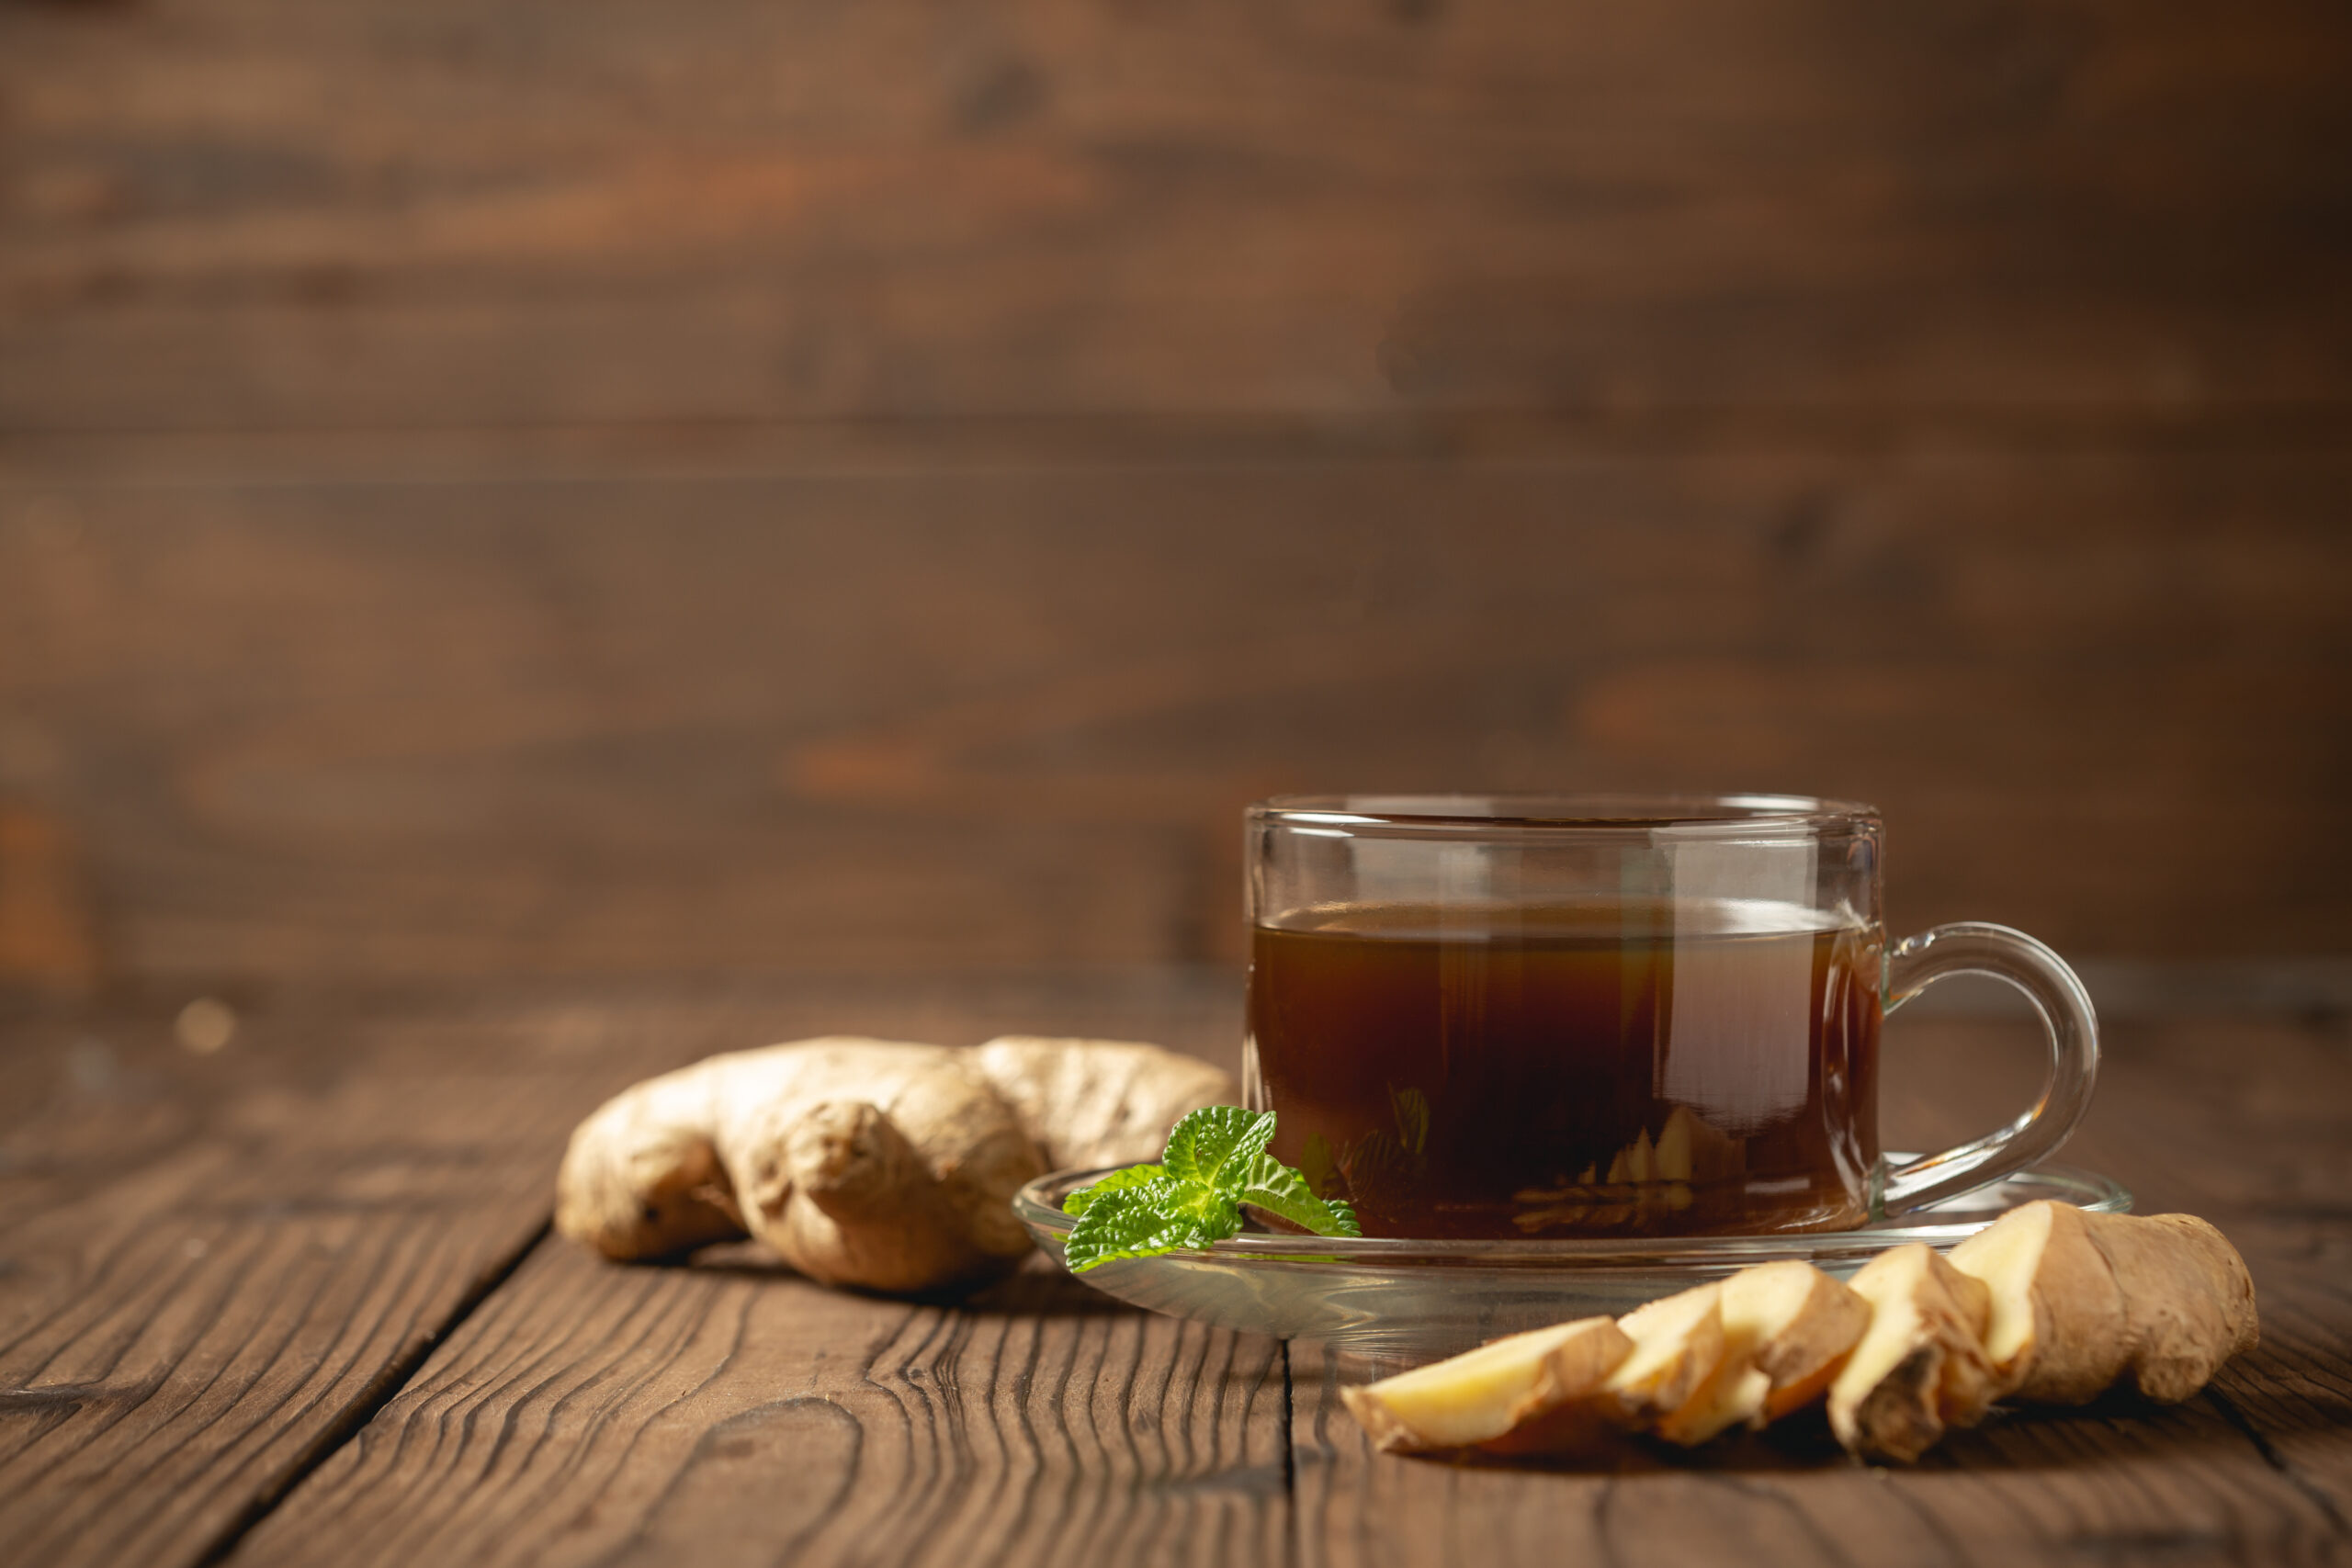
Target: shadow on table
1037,1289
2117,1427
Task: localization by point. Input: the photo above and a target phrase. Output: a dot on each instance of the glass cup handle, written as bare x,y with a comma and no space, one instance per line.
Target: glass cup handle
2057,994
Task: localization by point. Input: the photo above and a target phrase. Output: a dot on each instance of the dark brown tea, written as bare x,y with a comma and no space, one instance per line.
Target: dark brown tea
1621,1067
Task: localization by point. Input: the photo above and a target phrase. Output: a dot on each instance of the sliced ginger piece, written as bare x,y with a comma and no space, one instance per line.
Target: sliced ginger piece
1637,1161
1920,1365
1787,1328
1790,1327
1802,1326
1678,1345
1482,1394
1732,1395
1673,1153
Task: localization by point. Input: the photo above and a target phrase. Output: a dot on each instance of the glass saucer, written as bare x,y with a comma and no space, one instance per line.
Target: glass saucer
1393,1297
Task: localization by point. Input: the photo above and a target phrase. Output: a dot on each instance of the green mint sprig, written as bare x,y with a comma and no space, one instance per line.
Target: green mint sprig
1216,1161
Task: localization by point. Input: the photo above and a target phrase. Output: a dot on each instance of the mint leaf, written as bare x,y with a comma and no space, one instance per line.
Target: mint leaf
1277,1189
1412,1112
1146,1220
1216,1161
1318,1164
1133,1176
1216,1145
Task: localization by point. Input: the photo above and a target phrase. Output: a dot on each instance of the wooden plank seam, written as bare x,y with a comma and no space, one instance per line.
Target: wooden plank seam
382,1390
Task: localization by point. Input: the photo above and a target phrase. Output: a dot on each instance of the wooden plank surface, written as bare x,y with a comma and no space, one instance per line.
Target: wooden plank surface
212,1267
730,1411
514,488
161,1396
952,712
733,1412
254,213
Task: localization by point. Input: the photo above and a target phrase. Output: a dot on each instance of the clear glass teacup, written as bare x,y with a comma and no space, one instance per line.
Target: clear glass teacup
1567,1016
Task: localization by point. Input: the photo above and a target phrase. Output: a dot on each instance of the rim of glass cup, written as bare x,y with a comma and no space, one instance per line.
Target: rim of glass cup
1562,813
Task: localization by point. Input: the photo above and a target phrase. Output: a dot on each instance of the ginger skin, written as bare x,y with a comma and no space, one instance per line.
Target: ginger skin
2082,1301
879,1164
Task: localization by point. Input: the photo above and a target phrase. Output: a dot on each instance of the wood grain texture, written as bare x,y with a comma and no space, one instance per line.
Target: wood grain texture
433,214
158,1393
2256,1469
553,489
732,1412
968,714
210,1268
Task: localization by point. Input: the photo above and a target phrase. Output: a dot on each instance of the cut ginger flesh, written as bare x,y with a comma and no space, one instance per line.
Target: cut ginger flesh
1787,1329
1920,1366
1480,1395
2048,1304
1678,1343
2047,1281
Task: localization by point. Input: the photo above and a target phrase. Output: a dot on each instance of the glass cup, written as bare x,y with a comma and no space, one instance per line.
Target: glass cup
1576,1016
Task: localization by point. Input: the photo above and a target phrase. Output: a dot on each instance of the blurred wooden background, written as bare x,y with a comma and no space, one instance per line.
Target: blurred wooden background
570,489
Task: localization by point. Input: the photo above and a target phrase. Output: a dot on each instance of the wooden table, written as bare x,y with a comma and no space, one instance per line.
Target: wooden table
294,1300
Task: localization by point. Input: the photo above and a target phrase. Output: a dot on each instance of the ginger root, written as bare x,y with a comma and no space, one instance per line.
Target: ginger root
2049,1304
872,1163
2080,1301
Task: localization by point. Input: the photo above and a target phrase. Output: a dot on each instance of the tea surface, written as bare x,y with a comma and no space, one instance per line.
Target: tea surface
1603,1068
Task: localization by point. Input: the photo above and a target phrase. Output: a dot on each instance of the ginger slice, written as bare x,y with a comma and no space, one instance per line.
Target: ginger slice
1678,1345
1691,1148
1920,1365
1478,1396
1787,1327
1732,1395
1802,1323
1645,1177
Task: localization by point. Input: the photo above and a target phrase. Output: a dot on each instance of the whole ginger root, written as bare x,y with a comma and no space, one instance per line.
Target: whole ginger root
874,1163
2046,1304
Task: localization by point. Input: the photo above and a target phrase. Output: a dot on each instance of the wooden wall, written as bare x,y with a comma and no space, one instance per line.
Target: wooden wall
584,488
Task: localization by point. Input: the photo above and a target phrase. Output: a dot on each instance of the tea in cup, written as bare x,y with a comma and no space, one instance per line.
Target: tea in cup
1563,1017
